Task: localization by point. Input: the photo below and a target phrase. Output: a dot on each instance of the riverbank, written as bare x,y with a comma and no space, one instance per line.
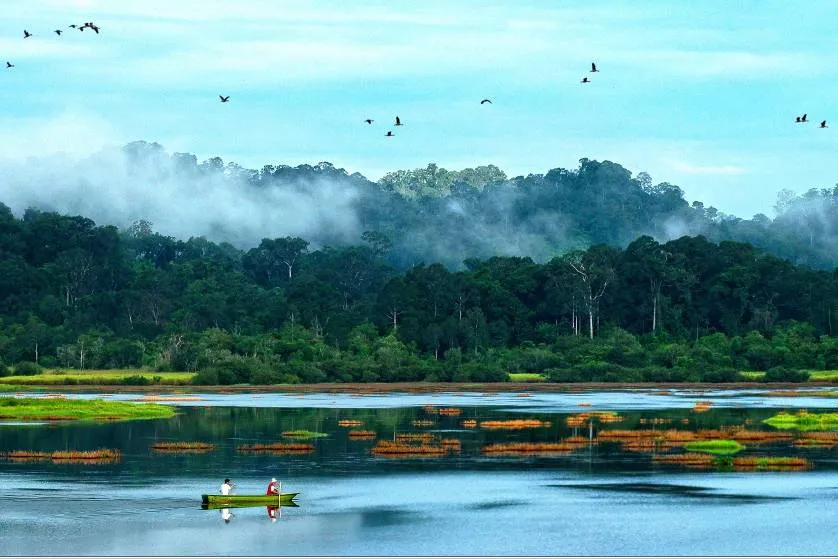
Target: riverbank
418,387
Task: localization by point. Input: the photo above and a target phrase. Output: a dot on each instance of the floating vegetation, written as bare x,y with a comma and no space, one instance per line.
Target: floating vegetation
584,404
803,421
430,409
423,423
627,434
469,423
449,411
514,424
276,448
350,423
362,434
396,449
178,447
657,421
717,446
749,463
756,437
100,456
451,444
702,406
580,419
690,459
517,449
61,409
415,437
524,395
646,445
303,434
818,439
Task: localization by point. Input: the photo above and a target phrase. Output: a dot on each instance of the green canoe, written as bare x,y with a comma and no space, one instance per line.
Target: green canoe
248,500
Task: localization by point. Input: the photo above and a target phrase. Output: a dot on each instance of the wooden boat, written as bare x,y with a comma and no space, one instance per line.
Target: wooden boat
224,501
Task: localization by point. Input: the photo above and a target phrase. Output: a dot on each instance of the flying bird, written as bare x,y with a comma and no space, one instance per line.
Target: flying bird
58,32
9,64
593,67
389,133
803,118
486,101
585,80
797,119
368,121
398,122
73,25
823,124
224,99
26,34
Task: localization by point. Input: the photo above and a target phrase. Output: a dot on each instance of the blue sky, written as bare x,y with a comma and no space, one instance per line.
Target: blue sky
699,94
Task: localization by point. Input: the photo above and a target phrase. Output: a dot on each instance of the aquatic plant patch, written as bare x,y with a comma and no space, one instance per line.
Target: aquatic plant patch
717,446
361,434
303,434
514,424
78,409
350,423
803,421
187,447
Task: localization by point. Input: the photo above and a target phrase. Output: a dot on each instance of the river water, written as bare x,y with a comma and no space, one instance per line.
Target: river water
597,499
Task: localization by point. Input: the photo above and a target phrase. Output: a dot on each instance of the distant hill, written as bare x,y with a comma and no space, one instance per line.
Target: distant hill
422,215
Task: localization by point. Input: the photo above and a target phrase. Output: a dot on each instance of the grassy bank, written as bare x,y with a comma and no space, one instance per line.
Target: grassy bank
101,377
60,409
716,446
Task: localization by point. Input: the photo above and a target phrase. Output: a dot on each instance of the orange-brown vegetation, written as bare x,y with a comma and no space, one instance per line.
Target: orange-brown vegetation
750,463
423,423
584,404
449,411
391,449
350,423
646,445
818,439
182,447
430,409
451,444
415,437
101,456
514,424
742,435
469,423
690,459
524,395
517,449
358,434
702,406
655,421
276,448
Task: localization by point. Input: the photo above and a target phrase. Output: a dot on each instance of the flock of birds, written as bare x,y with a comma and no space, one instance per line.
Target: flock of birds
82,27
398,122
801,119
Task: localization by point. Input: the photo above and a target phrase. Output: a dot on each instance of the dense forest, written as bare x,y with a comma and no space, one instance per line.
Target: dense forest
427,274
79,295
429,215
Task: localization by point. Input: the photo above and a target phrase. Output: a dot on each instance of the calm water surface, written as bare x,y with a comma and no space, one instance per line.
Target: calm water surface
598,499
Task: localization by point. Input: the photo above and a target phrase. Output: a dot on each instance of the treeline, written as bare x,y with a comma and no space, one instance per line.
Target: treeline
77,295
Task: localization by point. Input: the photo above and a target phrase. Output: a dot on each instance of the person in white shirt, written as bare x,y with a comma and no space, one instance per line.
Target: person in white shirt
226,487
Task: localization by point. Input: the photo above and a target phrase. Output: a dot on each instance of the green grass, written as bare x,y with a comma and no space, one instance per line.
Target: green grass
56,377
803,421
84,410
813,375
715,446
302,434
526,377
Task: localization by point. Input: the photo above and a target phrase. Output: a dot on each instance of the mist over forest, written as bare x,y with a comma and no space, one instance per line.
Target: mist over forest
429,215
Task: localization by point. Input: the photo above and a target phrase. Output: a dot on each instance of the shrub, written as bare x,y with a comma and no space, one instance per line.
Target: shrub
721,375
4,370
783,374
206,377
136,380
27,368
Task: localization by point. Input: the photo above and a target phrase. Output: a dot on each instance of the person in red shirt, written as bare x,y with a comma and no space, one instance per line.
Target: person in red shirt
273,489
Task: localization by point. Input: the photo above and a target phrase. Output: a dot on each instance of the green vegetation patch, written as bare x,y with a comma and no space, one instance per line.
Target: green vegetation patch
803,421
56,409
752,375
715,446
57,377
302,434
526,377
824,375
